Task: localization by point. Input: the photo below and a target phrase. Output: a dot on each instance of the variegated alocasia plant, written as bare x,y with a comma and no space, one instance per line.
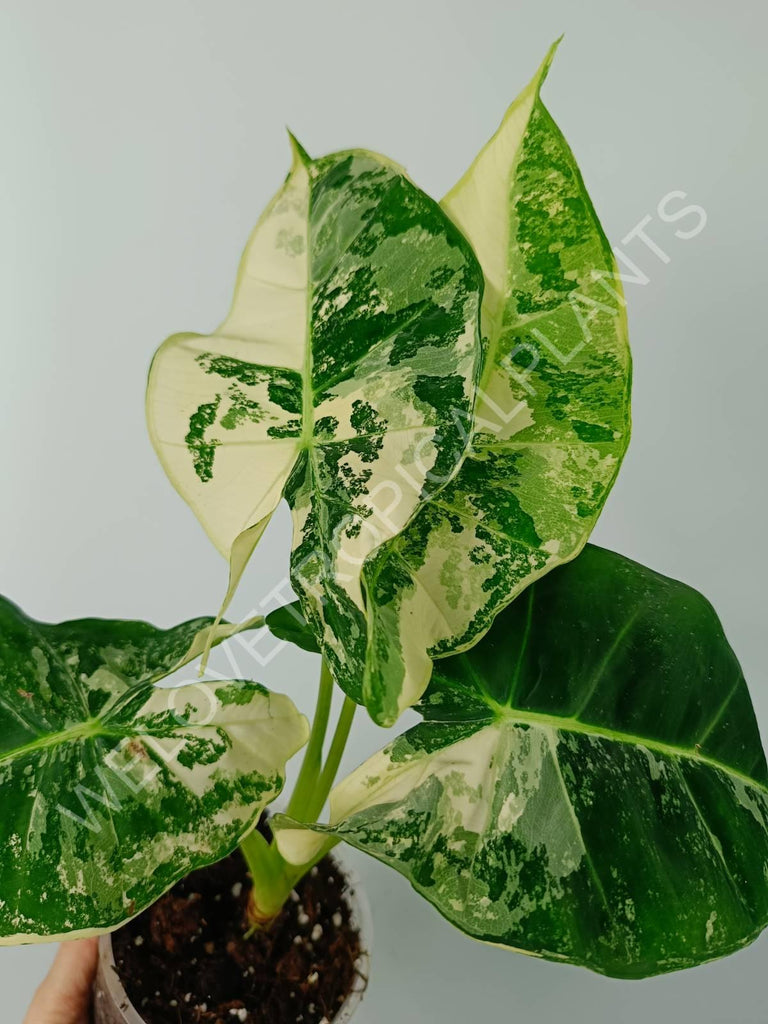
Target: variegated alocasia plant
440,392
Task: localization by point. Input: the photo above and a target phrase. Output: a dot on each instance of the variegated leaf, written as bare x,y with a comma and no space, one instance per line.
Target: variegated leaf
588,784
112,788
341,379
552,419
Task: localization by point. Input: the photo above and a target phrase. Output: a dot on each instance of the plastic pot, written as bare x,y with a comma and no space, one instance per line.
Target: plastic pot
112,1005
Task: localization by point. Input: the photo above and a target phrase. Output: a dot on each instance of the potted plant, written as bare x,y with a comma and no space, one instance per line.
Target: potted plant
440,392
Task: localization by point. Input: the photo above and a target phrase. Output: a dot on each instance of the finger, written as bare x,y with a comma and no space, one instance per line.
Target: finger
64,997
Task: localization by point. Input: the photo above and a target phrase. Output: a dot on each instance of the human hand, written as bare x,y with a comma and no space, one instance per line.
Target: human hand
64,997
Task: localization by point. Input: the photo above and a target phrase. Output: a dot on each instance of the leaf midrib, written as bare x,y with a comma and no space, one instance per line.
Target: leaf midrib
93,728
503,713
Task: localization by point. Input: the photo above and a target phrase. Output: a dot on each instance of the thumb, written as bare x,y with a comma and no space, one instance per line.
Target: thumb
64,997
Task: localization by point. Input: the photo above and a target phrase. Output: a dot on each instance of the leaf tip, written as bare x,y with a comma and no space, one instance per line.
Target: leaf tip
543,69
382,716
300,155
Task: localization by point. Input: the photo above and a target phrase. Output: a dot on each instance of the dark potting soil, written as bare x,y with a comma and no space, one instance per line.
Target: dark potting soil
186,960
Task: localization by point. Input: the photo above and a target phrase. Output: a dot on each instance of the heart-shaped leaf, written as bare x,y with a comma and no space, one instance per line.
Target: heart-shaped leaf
342,379
113,788
588,784
551,422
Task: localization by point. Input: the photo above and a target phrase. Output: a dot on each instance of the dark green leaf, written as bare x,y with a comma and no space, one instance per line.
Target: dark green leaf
288,623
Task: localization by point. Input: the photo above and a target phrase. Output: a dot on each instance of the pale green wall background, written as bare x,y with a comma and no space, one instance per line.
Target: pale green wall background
139,143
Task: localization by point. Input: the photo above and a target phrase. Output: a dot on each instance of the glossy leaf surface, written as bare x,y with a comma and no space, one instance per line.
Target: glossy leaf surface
588,784
341,379
112,788
552,420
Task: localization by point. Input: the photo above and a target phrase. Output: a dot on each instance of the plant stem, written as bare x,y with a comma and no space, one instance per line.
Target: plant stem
310,768
267,870
331,767
273,877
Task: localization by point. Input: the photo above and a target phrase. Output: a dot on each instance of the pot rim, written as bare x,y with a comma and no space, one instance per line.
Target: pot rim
109,987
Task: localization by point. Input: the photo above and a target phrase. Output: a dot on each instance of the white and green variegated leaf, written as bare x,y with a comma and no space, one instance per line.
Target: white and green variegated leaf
112,788
552,417
341,380
588,784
